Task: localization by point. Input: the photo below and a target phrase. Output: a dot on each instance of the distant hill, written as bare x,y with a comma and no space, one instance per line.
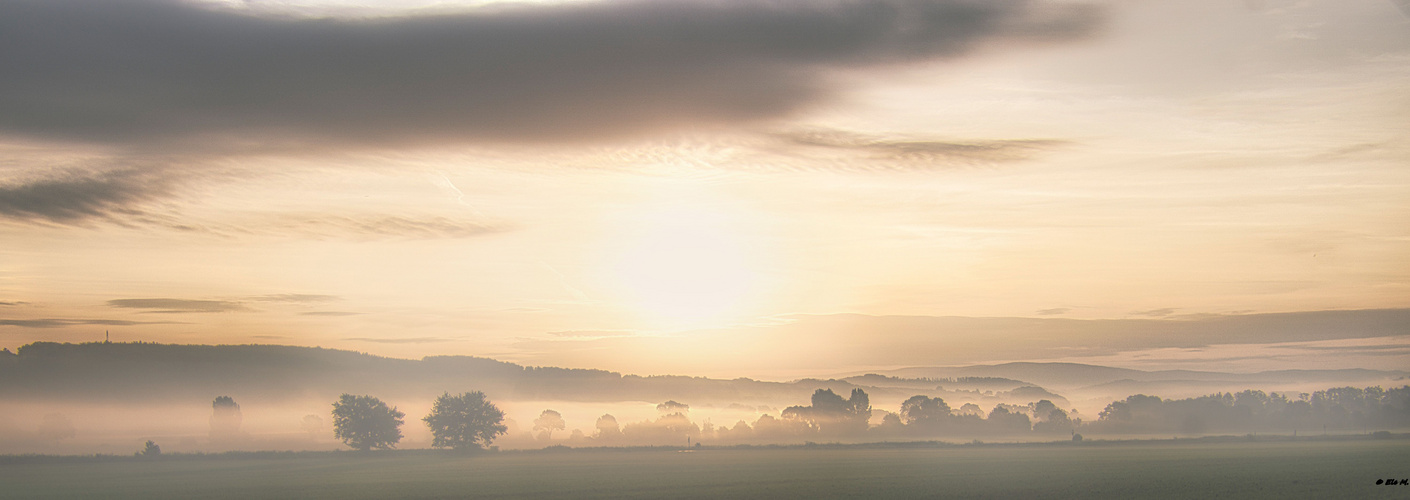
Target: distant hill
1084,378
130,372
966,383
1047,374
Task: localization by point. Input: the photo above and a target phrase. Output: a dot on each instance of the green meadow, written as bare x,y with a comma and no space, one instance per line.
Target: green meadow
1231,468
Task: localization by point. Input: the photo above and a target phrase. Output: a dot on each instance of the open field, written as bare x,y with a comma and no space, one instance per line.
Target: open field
1152,469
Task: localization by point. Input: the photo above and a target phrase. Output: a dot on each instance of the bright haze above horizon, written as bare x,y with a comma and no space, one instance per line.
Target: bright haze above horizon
725,188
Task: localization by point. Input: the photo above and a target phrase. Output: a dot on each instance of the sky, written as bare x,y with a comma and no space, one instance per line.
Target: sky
728,188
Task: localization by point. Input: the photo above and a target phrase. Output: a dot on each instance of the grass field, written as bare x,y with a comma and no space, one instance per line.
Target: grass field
1153,469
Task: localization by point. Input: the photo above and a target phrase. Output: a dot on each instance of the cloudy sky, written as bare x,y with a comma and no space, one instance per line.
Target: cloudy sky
765,188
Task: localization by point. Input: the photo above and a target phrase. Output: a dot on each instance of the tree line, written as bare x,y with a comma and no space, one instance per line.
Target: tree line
1341,408
470,421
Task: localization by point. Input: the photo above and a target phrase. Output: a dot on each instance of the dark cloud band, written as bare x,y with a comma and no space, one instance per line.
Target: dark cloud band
75,197
143,71
171,306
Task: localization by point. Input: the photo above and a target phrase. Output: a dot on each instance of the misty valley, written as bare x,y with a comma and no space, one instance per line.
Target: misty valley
111,398
134,420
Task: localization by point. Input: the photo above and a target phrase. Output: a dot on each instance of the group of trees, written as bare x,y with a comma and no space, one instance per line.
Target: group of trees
830,416
465,421
921,415
470,421
1342,408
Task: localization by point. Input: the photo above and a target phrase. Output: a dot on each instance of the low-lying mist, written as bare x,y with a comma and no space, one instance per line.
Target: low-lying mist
112,398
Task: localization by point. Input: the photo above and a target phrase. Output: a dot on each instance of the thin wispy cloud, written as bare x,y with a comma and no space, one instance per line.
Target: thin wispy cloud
58,322
591,334
137,198
175,306
358,227
157,71
399,340
1155,313
300,298
329,313
1371,350
876,152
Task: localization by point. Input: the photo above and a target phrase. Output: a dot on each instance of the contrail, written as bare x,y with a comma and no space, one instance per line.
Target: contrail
563,280
445,182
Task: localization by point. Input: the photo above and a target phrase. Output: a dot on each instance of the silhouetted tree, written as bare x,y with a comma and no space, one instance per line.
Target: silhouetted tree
1002,420
608,428
830,413
970,409
548,422
464,421
150,450
1252,410
925,411
1042,408
670,407
365,422
225,418
1050,418
891,425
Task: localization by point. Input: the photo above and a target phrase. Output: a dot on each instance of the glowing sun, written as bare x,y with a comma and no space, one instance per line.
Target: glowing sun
684,267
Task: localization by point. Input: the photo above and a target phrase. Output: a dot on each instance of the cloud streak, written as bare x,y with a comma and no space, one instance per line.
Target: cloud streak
164,71
58,323
869,150
175,306
297,298
409,340
375,227
76,197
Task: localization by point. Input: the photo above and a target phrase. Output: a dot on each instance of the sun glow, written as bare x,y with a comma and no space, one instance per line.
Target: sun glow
685,267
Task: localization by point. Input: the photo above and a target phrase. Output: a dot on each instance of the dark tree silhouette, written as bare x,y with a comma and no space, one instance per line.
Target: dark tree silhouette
832,414
365,422
548,422
225,418
1252,411
1050,418
925,411
1003,421
670,407
608,428
465,421
1042,409
970,409
150,450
